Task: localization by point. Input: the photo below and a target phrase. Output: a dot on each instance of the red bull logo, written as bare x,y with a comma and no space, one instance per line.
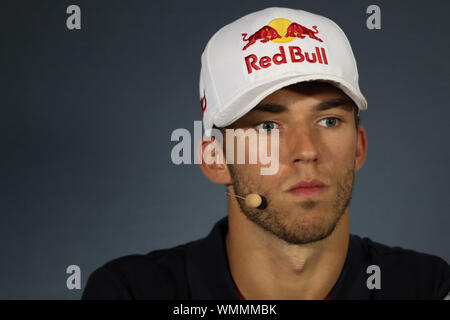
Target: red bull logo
265,34
282,30
203,103
299,31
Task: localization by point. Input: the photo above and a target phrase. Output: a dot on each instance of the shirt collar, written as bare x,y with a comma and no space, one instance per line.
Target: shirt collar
209,273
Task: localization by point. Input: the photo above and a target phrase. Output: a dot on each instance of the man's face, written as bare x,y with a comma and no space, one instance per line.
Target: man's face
314,143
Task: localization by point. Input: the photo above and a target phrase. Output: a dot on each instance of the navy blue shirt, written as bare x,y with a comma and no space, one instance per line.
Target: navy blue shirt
200,270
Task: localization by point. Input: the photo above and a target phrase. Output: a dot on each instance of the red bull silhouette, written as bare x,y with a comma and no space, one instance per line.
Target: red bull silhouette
203,102
299,31
265,34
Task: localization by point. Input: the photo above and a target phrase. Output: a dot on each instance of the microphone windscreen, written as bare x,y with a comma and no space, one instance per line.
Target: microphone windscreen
253,200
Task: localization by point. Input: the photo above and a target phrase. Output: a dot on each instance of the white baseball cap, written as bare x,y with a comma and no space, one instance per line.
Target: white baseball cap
264,51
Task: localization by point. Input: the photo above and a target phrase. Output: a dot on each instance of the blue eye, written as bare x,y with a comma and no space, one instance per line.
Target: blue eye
267,126
332,122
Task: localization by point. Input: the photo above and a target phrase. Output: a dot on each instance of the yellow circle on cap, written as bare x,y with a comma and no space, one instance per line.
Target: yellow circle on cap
281,25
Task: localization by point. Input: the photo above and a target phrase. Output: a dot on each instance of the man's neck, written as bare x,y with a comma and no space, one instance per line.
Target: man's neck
266,267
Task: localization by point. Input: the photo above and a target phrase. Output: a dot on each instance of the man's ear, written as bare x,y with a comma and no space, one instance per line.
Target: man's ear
212,161
361,148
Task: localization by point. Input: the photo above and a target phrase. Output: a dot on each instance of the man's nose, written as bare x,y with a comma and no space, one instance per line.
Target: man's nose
303,144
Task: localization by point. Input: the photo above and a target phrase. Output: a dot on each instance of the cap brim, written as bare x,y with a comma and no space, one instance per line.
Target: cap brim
249,99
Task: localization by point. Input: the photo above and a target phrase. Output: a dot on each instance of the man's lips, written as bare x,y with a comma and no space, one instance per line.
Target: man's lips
307,191
307,188
308,184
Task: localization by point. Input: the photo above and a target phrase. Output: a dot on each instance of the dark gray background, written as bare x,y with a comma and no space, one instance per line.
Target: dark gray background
86,119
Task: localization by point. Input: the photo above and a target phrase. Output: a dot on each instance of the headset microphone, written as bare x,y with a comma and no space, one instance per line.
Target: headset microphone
253,200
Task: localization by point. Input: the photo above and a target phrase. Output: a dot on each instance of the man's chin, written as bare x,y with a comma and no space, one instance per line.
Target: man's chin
307,214
306,235
300,230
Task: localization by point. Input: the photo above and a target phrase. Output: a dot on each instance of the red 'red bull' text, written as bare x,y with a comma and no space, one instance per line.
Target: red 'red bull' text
295,54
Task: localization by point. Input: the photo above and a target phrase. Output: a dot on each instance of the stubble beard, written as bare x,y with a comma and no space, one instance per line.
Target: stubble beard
293,227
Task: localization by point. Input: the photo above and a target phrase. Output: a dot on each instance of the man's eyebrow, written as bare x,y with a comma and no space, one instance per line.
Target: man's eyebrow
270,107
345,103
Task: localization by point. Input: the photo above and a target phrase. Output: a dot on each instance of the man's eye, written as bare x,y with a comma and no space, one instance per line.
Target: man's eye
267,126
331,121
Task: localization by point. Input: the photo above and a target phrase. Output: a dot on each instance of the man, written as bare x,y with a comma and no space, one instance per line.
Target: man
293,81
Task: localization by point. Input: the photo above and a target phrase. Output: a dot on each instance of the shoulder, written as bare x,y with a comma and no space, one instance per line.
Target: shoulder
398,256
406,271
159,274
